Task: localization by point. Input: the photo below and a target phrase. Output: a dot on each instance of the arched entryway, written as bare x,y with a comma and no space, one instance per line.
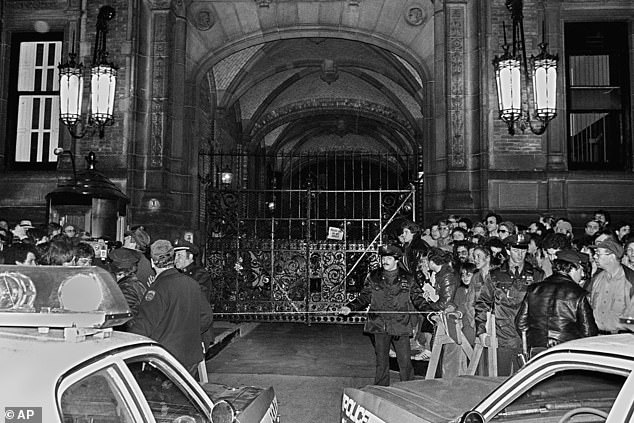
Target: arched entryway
324,139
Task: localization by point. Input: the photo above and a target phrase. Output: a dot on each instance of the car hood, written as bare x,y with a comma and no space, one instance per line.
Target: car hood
431,400
248,401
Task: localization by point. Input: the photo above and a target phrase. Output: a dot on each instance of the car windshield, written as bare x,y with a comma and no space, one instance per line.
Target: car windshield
564,391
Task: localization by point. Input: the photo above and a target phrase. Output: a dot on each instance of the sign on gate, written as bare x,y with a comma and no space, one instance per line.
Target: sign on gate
335,233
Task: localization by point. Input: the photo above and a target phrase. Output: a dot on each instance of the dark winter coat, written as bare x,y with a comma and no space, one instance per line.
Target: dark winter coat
502,294
402,296
554,311
447,280
202,276
133,291
174,313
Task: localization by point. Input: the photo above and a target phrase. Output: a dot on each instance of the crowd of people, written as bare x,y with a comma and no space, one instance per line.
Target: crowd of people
541,284
167,291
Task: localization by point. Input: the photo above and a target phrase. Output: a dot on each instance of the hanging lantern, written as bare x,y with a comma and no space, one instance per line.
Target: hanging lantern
103,84
71,91
508,81
545,84
508,78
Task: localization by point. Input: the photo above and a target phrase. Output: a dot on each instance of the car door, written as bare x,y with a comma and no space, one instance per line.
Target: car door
164,390
560,386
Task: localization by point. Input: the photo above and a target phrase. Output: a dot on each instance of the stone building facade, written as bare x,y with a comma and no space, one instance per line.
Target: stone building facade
406,77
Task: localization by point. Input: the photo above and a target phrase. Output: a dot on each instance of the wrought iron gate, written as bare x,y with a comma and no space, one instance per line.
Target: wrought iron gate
297,250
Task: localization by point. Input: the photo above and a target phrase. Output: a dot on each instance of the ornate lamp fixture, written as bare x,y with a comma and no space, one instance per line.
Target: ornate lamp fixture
508,78
226,176
102,87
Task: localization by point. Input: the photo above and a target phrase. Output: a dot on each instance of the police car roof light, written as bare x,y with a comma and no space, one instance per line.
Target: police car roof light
59,296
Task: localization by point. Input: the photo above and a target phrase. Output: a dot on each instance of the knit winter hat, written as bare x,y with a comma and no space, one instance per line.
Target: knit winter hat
162,253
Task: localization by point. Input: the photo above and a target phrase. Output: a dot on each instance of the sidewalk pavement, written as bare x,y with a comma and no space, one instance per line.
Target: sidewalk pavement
226,332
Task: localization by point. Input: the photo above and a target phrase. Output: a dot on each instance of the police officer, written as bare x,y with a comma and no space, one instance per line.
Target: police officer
502,295
173,312
391,292
185,254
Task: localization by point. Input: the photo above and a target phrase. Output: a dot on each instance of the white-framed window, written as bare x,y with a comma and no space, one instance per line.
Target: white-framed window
36,126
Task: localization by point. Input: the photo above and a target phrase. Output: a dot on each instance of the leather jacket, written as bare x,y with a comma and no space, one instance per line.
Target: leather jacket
402,296
554,311
502,294
411,251
447,281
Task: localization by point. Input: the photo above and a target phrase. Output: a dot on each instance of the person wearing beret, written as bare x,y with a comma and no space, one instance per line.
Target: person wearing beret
123,264
502,294
138,240
557,309
392,293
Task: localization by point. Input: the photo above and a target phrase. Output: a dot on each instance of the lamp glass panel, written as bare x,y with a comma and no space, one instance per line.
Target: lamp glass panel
509,89
552,87
71,93
112,84
498,84
545,88
102,93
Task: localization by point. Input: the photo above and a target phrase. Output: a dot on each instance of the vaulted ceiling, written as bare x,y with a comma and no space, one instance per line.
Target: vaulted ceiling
311,93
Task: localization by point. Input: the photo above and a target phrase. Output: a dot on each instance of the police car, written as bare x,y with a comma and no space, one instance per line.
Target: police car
589,379
61,360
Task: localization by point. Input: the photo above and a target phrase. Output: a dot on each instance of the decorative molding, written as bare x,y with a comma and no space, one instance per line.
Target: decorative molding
455,70
156,147
160,4
334,104
415,15
35,5
160,77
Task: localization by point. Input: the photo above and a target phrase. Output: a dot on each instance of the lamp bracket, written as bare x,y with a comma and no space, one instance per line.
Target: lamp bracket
100,54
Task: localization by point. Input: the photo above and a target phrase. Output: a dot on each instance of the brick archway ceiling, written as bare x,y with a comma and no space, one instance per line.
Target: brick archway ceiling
375,95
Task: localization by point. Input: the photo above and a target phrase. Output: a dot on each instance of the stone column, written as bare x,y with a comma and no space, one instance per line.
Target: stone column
158,177
461,87
556,132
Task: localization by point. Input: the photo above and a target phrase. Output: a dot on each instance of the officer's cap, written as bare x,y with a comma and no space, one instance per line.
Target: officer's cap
183,244
391,250
517,241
